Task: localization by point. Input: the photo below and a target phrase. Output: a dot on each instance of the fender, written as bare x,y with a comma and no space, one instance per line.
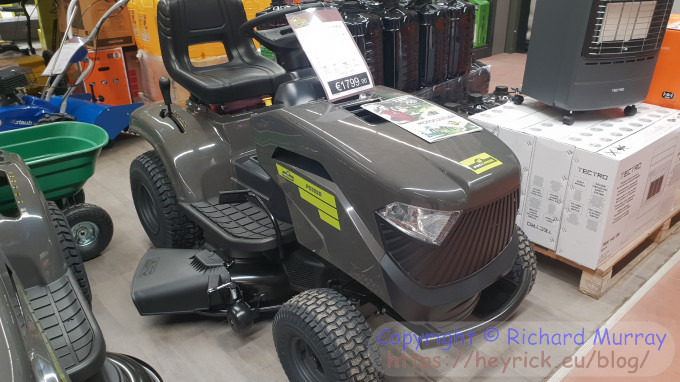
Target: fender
28,240
198,161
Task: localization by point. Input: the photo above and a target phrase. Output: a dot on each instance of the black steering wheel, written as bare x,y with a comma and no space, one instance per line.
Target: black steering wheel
281,38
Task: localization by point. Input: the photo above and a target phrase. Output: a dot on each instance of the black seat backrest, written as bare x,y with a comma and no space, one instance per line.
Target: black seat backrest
183,23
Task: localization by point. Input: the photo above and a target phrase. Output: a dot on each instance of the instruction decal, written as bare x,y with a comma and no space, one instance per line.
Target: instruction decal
481,163
322,200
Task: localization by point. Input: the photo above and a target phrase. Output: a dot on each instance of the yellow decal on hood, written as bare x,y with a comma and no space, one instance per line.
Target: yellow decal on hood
481,162
323,200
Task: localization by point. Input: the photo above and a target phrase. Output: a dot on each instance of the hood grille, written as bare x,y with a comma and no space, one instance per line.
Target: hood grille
475,240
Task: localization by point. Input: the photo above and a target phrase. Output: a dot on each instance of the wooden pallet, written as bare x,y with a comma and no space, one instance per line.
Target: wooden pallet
595,283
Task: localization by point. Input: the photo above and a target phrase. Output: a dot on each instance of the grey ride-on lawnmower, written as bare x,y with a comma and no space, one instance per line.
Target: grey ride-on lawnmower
48,330
312,209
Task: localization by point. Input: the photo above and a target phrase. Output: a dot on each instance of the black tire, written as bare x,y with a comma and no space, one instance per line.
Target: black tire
321,336
91,228
525,259
69,249
630,110
164,221
517,99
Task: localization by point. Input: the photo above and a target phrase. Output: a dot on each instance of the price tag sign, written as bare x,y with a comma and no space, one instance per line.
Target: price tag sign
331,50
73,51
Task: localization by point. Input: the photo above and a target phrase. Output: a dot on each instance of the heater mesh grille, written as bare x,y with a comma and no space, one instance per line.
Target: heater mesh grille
626,28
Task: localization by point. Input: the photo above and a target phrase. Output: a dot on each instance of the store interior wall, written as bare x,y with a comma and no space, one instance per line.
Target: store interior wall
531,18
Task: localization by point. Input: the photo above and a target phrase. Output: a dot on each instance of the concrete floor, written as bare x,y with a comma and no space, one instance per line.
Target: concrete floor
200,349
506,69
651,313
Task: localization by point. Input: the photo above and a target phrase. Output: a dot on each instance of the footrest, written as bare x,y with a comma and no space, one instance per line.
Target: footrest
69,326
242,220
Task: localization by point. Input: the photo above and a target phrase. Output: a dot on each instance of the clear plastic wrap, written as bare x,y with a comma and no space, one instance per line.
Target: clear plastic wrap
456,89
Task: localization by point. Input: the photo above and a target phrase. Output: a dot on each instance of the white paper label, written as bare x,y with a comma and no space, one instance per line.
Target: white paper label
63,58
331,50
421,118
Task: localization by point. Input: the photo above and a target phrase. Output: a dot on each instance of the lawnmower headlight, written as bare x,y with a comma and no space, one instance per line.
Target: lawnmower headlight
425,224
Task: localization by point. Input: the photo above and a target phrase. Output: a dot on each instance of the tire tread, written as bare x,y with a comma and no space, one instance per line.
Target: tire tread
69,249
340,328
180,231
526,258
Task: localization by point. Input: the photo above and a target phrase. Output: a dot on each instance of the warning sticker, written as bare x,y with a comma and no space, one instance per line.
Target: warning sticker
313,195
481,163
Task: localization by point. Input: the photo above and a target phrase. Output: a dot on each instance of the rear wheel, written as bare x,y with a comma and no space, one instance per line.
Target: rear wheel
156,203
525,260
91,227
321,336
69,249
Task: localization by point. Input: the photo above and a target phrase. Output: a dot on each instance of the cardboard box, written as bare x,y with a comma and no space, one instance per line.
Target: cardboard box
545,164
109,76
545,148
542,214
503,115
522,144
616,193
115,32
134,72
541,193
665,87
153,69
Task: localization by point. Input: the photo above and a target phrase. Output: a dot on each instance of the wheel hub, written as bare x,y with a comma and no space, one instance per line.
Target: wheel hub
308,364
85,233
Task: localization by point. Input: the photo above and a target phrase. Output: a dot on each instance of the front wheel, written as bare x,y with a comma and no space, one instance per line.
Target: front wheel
321,336
166,224
91,227
525,260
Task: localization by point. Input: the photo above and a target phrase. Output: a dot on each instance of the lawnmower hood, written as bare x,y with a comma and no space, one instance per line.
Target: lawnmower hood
377,163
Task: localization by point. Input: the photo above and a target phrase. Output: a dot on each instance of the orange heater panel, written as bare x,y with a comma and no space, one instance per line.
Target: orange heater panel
109,76
665,88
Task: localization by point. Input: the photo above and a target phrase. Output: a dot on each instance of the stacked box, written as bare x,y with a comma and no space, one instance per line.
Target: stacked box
552,154
109,76
144,20
665,88
134,72
115,32
152,70
618,192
